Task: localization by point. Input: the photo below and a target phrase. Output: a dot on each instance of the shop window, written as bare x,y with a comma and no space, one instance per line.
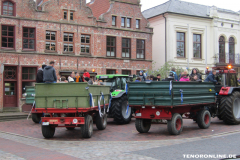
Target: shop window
28,77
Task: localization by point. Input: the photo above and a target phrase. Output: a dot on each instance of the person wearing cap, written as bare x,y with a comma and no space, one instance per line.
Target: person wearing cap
49,73
211,77
39,78
88,80
174,74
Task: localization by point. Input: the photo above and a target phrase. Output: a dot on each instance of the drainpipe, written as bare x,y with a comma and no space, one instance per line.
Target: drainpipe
165,38
206,47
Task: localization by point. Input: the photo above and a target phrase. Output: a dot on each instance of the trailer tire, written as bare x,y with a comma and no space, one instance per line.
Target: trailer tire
230,109
119,107
70,128
101,122
87,128
48,131
204,119
36,117
175,126
143,125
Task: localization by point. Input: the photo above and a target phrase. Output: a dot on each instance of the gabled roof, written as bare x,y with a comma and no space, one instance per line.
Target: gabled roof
180,7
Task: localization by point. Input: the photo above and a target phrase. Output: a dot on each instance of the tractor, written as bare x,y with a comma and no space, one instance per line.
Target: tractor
227,94
119,109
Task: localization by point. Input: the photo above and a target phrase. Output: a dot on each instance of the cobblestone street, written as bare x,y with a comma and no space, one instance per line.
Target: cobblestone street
22,139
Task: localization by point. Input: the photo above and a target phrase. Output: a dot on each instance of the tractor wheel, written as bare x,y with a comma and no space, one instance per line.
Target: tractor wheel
204,119
230,108
119,110
70,128
175,126
101,122
36,117
48,131
87,128
143,125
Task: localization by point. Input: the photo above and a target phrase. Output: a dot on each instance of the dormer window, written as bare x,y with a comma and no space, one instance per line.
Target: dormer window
68,15
8,8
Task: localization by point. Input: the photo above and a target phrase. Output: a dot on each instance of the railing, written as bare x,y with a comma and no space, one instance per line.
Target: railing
232,58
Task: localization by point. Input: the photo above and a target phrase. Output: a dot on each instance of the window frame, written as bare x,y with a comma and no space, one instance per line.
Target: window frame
126,48
130,24
184,44
144,55
112,70
68,52
85,44
64,14
111,46
139,22
14,7
115,21
200,46
35,38
124,22
21,80
51,41
127,71
14,37
72,16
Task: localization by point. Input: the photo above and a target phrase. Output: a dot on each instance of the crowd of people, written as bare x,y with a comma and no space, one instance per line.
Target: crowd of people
47,74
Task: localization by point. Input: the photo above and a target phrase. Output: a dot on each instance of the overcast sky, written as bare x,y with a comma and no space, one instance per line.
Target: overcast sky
226,4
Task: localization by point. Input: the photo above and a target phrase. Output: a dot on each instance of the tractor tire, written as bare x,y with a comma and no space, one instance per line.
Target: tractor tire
36,117
70,128
229,109
204,119
175,126
119,108
101,122
87,128
48,131
143,125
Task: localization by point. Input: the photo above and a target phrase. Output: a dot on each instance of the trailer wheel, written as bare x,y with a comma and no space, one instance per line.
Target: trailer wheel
70,128
48,131
143,125
230,109
175,126
36,117
87,128
204,119
119,110
101,122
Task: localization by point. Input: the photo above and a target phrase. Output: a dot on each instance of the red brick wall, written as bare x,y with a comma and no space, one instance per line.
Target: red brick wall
51,19
99,7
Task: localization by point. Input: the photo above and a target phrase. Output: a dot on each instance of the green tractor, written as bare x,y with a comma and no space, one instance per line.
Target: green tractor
118,108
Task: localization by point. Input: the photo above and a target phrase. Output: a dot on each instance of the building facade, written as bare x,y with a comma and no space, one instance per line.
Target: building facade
75,35
192,35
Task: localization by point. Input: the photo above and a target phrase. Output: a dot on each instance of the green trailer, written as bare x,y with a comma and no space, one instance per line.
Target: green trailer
172,101
71,105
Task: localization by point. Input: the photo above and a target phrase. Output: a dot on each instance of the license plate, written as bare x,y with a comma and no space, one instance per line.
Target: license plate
45,123
139,114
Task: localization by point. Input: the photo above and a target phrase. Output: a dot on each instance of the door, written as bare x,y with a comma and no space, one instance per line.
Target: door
10,94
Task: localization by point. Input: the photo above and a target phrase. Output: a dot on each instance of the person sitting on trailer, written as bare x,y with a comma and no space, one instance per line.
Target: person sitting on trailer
211,77
138,79
77,78
63,80
174,74
88,80
195,79
148,79
184,77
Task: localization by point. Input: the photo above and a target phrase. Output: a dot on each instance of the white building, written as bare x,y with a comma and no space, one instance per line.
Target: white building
193,35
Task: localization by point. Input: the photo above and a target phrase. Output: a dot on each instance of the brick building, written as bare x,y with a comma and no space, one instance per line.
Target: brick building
108,36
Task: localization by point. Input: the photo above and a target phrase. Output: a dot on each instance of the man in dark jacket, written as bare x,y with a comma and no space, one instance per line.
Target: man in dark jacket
49,73
40,74
211,77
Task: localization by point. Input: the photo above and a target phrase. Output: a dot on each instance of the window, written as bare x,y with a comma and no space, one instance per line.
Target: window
71,15
7,36
29,38
122,22
114,18
126,47
126,72
111,46
85,44
28,77
221,49
65,15
110,71
50,41
180,44
128,22
231,50
68,42
197,46
140,49
137,23
8,8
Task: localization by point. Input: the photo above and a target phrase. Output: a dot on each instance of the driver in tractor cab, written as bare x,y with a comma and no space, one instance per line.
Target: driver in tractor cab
211,77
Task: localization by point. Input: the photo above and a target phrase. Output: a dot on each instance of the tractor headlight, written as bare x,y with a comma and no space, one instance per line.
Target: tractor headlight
24,94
